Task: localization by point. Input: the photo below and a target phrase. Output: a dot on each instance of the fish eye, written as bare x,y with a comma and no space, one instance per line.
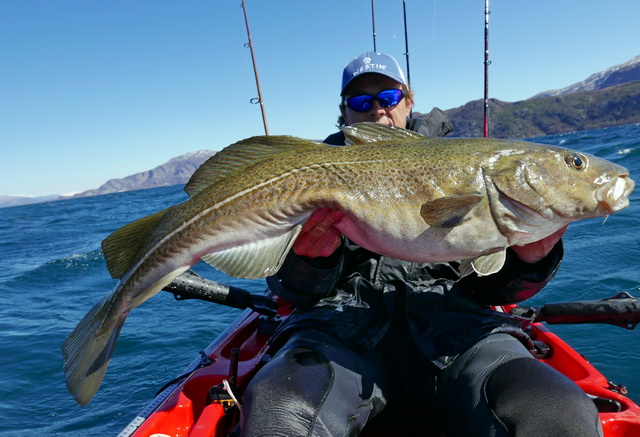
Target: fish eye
576,160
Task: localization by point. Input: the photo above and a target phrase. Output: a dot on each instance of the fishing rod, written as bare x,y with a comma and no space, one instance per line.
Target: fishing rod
406,42
406,35
406,48
486,68
255,71
373,22
190,285
621,310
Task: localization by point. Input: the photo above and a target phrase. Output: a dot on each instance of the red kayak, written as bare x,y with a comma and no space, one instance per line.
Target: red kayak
204,401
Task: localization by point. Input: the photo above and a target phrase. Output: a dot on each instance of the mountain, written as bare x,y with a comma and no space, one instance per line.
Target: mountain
6,201
174,172
608,98
541,116
616,75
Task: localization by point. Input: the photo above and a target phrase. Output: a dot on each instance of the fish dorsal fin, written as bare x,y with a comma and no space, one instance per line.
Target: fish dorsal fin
257,259
124,246
483,265
361,133
449,212
241,154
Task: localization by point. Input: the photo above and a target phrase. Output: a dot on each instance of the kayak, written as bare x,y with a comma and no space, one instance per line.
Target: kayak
206,399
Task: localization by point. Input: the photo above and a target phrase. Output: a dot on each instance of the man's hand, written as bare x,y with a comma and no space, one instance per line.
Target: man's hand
318,236
533,252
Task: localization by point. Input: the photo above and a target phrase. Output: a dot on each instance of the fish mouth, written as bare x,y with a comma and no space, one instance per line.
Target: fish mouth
614,195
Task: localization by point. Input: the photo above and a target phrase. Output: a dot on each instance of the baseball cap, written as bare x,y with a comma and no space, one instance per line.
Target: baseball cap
372,62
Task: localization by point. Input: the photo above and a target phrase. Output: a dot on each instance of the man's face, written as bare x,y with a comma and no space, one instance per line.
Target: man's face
372,84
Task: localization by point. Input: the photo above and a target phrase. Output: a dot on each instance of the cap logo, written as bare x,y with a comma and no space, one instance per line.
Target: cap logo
369,66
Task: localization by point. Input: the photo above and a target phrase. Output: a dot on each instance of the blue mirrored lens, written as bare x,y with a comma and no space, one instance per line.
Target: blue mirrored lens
360,103
364,102
389,98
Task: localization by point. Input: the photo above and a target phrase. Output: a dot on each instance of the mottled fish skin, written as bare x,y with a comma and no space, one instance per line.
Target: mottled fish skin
404,195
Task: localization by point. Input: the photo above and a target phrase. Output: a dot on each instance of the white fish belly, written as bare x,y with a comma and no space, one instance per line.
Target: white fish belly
406,236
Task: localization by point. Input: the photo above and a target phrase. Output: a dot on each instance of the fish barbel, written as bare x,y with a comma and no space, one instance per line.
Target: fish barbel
404,196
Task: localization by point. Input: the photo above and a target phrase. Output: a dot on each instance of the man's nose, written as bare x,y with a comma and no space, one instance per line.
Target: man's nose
376,108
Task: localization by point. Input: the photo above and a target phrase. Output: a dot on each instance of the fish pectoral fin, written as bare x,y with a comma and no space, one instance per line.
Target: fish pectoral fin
125,246
233,158
369,132
254,260
450,211
483,265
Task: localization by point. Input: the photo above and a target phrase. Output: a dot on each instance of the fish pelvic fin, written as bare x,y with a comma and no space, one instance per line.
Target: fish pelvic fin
449,212
126,245
484,265
254,260
369,132
242,154
88,348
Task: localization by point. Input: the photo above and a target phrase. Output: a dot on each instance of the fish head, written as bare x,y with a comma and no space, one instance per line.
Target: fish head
537,189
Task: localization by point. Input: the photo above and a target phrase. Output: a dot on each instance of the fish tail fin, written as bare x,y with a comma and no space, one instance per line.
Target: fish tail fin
124,247
88,349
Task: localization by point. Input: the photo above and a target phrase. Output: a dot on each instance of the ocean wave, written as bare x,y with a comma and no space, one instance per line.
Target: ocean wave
37,270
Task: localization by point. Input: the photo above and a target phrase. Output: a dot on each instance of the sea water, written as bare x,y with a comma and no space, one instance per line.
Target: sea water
52,272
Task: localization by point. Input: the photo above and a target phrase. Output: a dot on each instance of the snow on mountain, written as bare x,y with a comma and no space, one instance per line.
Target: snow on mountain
616,75
17,200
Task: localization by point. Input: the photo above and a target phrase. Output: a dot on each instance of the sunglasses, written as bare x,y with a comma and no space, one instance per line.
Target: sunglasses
386,99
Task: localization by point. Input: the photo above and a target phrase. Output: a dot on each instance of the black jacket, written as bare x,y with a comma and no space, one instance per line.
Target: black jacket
434,124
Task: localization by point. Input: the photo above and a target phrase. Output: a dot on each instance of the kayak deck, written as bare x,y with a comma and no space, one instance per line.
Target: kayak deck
188,408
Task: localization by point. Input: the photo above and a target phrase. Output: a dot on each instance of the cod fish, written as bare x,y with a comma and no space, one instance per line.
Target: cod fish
404,196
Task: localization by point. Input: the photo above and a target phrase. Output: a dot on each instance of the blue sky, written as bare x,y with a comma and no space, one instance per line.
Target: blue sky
93,90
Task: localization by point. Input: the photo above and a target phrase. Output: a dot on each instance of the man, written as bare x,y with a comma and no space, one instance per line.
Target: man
373,335
387,76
